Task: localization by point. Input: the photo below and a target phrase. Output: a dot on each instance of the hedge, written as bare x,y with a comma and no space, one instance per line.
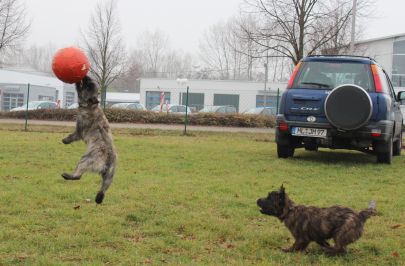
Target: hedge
148,117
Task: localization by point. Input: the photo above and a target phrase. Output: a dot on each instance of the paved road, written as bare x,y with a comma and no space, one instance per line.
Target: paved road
144,126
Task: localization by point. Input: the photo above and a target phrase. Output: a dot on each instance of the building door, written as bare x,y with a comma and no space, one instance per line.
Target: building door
12,100
227,99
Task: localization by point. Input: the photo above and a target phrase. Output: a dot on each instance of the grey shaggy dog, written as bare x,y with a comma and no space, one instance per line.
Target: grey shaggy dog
92,127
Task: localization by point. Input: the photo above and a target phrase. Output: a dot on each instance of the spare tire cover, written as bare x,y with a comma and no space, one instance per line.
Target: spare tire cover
348,107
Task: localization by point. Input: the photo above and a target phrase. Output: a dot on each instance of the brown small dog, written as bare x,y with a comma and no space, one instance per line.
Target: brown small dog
308,224
92,127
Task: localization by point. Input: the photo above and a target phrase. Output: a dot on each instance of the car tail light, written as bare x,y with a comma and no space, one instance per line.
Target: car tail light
377,80
376,132
283,127
291,81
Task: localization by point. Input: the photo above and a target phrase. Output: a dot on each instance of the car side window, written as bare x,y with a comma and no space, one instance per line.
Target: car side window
391,87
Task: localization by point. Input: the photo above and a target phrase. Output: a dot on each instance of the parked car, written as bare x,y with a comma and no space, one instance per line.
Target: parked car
172,108
219,109
73,106
133,106
340,102
36,105
262,111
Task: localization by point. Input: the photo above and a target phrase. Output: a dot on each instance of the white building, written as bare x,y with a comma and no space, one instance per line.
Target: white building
243,95
121,97
14,89
389,52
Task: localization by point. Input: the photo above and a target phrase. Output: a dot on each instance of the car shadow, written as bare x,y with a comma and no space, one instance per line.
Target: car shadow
328,157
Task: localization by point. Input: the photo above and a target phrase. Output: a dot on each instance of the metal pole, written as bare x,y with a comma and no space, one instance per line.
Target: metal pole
266,73
185,121
354,10
278,97
26,109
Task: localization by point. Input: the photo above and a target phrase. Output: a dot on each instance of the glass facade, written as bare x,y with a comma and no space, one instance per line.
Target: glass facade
12,100
227,99
398,64
266,101
153,98
69,98
195,100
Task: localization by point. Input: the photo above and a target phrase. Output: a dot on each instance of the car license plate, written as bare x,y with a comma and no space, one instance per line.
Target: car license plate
309,132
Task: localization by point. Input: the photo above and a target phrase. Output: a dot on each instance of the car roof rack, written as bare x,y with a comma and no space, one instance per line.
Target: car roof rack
342,55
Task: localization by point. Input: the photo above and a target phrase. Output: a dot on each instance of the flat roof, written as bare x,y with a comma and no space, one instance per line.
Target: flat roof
393,36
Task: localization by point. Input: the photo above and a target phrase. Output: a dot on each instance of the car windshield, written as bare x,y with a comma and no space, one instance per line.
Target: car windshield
329,75
119,105
33,104
209,109
164,109
254,111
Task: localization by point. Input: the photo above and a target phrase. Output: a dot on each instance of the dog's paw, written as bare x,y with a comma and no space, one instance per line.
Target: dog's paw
65,141
99,197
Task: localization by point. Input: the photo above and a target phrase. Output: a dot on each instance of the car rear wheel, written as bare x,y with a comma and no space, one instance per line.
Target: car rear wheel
386,157
285,151
397,146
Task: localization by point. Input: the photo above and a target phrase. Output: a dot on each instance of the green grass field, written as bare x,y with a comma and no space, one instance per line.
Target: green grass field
185,200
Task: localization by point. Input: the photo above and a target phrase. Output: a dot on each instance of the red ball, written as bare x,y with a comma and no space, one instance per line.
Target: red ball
70,65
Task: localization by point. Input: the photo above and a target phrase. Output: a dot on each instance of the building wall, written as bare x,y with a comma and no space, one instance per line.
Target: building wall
382,50
247,91
9,76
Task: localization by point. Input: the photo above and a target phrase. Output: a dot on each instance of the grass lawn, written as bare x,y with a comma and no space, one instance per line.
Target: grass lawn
185,200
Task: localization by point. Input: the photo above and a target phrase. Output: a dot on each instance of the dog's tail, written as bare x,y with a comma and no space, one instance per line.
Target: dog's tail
370,211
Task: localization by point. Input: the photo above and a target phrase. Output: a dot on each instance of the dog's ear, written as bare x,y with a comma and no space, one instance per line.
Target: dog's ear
282,193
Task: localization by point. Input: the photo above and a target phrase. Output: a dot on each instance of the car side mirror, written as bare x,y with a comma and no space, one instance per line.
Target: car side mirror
401,97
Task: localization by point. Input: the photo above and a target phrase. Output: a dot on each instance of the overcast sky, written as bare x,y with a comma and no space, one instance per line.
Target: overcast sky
60,21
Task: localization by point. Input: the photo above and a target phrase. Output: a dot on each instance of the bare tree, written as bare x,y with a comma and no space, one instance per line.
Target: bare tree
38,57
154,45
226,53
14,26
105,46
295,28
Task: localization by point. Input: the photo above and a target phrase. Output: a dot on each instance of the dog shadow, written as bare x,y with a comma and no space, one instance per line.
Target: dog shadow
328,157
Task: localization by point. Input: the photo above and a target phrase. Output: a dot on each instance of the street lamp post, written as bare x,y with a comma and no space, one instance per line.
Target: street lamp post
183,82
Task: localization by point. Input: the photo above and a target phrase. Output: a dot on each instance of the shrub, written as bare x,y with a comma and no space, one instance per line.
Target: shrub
147,117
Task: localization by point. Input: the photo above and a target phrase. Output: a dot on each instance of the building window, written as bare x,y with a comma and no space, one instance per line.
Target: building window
227,99
398,80
195,100
266,101
45,98
69,98
153,98
12,100
398,65
399,47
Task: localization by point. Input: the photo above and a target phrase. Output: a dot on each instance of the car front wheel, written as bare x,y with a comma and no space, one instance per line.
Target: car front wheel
398,146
